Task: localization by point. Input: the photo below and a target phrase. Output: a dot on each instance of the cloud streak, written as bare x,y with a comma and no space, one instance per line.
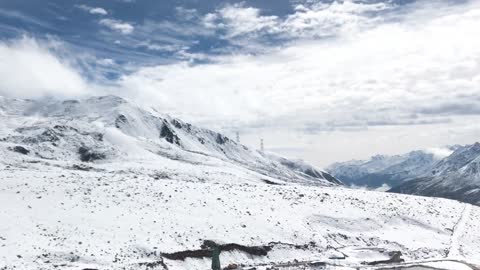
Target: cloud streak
93,10
242,25
117,25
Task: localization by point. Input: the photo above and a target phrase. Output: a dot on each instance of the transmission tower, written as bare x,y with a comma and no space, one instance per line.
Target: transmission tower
238,136
262,148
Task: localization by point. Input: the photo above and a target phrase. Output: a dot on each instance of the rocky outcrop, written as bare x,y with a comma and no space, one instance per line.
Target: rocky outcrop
120,121
21,150
88,155
169,134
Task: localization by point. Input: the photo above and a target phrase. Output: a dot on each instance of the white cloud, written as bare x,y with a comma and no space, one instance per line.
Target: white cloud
99,11
240,20
382,75
440,152
383,187
170,48
308,21
321,19
373,77
117,25
186,13
106,62
93,10
29,69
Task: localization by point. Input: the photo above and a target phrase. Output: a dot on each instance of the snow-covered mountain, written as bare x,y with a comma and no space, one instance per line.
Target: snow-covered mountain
381,170
100,183
108,129
456,176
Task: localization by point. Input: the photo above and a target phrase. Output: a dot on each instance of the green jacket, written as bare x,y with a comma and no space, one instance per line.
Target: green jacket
216,259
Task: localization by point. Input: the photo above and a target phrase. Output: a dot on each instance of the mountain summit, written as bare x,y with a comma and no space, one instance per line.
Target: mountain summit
111,129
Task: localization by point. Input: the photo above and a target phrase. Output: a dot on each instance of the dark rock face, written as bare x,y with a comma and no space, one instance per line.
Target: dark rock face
97,136
81,167
179,124
331,179
87,155
169,134
153,265
21,150
120,121
270,182
207,246
49,135
63,128
221,139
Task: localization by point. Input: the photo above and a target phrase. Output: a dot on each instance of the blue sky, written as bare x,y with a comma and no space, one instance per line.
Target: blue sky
136,33
321,80
159,29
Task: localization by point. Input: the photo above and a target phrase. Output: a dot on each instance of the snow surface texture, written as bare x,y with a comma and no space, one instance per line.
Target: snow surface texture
456,177
102,184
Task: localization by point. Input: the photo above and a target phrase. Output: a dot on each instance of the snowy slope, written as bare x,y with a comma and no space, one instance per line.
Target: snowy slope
104,129
381,170
114,217
456,176
103,184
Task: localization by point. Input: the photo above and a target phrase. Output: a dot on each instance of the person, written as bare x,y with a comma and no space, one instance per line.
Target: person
216,258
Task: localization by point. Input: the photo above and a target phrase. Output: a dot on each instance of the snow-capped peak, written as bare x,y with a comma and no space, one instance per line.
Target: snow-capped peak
457,176
382,170
102,127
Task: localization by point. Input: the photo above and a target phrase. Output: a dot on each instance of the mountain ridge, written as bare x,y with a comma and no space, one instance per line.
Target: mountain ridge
93,129
381,170
455,177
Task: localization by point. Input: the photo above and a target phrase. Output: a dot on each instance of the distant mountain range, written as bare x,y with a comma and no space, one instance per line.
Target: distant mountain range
455,177
454,174
383,170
